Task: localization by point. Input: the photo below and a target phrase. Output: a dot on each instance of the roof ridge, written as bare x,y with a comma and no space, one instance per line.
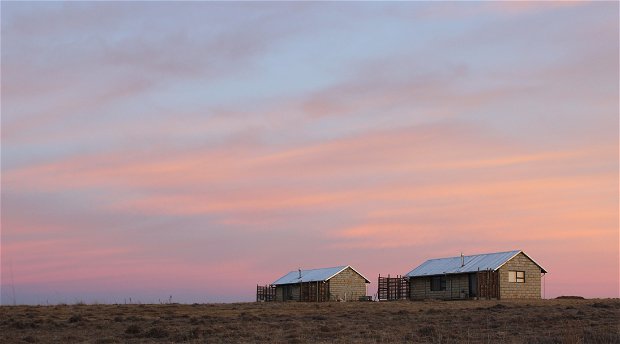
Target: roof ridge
492,260
500,252
331,267
311,275
477,254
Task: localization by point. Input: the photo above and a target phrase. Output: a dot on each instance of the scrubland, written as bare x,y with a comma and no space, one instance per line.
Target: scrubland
531,321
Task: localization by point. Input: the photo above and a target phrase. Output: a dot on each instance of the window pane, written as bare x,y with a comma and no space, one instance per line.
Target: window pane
512,276
520,274
438,283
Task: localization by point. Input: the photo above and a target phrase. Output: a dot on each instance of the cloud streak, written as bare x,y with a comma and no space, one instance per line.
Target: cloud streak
203,148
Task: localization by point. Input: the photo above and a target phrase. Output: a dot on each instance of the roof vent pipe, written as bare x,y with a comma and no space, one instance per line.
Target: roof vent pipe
299,273
462,260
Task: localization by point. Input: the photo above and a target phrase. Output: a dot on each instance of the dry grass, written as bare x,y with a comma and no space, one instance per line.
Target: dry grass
543,321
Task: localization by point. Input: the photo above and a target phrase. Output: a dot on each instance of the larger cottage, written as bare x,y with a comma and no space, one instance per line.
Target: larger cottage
340,283
501,275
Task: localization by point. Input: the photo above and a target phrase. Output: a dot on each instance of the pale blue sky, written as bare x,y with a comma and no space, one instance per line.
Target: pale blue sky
199,148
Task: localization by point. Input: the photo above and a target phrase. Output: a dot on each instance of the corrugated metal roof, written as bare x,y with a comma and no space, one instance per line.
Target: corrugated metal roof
473,263
313,275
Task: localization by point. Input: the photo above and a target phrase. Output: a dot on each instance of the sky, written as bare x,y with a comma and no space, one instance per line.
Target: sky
190,151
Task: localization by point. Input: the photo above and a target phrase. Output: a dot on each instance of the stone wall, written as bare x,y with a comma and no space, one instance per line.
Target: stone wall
512,290
347,286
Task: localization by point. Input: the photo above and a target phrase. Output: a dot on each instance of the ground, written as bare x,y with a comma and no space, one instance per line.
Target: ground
532,321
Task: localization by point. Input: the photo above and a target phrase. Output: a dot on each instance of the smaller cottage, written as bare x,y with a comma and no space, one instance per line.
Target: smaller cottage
340,283
501,275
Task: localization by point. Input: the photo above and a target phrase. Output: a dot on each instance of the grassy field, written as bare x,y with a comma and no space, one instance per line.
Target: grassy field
542,321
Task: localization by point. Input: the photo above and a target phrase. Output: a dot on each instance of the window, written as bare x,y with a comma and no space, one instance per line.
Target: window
516,276
438,283
288,291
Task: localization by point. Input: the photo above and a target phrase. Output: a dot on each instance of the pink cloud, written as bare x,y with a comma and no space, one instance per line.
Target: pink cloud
125,167
520,7
204,181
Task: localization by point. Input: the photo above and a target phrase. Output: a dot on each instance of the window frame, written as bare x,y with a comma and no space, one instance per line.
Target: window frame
516,276
441,283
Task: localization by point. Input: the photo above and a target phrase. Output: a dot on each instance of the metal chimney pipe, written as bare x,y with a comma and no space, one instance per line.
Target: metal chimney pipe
299,273
462,260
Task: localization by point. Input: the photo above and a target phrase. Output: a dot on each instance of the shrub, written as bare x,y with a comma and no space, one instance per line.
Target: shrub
591,336
600,305
195,321
75,318
427,331
498,306
190,335
133,329
545,340
157,332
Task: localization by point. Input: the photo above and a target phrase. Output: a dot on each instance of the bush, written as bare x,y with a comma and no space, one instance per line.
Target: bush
75,318
601,305
133,329
157,332
498,307
591,336
427,331
190,335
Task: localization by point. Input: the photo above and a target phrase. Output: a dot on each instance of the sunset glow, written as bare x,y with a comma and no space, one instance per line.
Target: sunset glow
195,149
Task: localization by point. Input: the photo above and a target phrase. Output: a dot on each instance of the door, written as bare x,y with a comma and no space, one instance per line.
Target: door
473,285
488,284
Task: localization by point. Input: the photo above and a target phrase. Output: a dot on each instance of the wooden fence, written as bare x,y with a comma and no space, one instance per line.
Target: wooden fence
265,293
392,288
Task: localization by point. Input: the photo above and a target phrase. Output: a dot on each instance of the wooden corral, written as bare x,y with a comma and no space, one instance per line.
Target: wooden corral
392,288
265,293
